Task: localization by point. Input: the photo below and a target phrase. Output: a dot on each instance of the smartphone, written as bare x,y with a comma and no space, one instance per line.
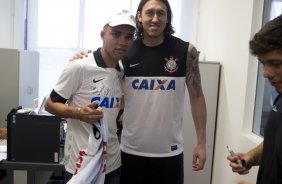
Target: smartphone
232,153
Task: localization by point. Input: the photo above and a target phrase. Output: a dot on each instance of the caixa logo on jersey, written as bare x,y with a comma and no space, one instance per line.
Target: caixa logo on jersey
107,102
153,84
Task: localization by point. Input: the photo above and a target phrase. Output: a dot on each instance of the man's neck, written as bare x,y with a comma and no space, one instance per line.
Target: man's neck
109,61
153,41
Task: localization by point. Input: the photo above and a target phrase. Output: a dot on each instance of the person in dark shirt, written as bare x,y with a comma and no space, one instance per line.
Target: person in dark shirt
267,46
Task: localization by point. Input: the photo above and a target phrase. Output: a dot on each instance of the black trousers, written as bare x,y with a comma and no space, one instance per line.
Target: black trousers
151,170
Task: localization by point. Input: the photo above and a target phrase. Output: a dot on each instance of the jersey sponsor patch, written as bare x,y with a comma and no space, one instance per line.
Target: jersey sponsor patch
152,84
107,102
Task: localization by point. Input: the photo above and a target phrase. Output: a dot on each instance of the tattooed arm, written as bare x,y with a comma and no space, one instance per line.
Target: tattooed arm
198,106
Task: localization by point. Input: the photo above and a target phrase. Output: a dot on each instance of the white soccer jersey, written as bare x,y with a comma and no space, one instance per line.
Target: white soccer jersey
91,165
156,121
83,82
154,99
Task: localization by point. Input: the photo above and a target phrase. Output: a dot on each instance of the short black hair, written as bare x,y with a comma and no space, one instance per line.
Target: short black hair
269,38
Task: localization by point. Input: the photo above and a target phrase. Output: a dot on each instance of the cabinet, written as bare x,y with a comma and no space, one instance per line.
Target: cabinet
19,80
210,82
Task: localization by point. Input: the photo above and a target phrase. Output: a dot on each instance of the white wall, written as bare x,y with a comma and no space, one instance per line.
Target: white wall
12,24
221,30
187,25
6,22
225,27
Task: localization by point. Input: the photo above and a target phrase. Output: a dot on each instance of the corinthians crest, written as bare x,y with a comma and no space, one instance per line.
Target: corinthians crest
171,64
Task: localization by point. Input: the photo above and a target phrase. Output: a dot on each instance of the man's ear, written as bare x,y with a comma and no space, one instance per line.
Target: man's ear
139,16
102,33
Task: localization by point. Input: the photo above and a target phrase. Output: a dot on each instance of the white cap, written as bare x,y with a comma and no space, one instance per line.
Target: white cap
123,17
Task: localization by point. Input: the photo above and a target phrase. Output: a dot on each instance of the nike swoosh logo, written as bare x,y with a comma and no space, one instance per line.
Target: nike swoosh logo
274,108
97,80
132,65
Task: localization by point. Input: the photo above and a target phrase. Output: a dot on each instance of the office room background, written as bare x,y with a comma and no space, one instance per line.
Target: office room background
219,29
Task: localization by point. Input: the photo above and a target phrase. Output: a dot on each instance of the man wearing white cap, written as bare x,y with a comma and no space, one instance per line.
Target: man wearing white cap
84,84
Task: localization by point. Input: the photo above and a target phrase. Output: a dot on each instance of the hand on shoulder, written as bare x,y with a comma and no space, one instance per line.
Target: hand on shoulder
80,55
3,133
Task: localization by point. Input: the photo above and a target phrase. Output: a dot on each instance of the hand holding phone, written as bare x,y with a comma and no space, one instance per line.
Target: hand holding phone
232,153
